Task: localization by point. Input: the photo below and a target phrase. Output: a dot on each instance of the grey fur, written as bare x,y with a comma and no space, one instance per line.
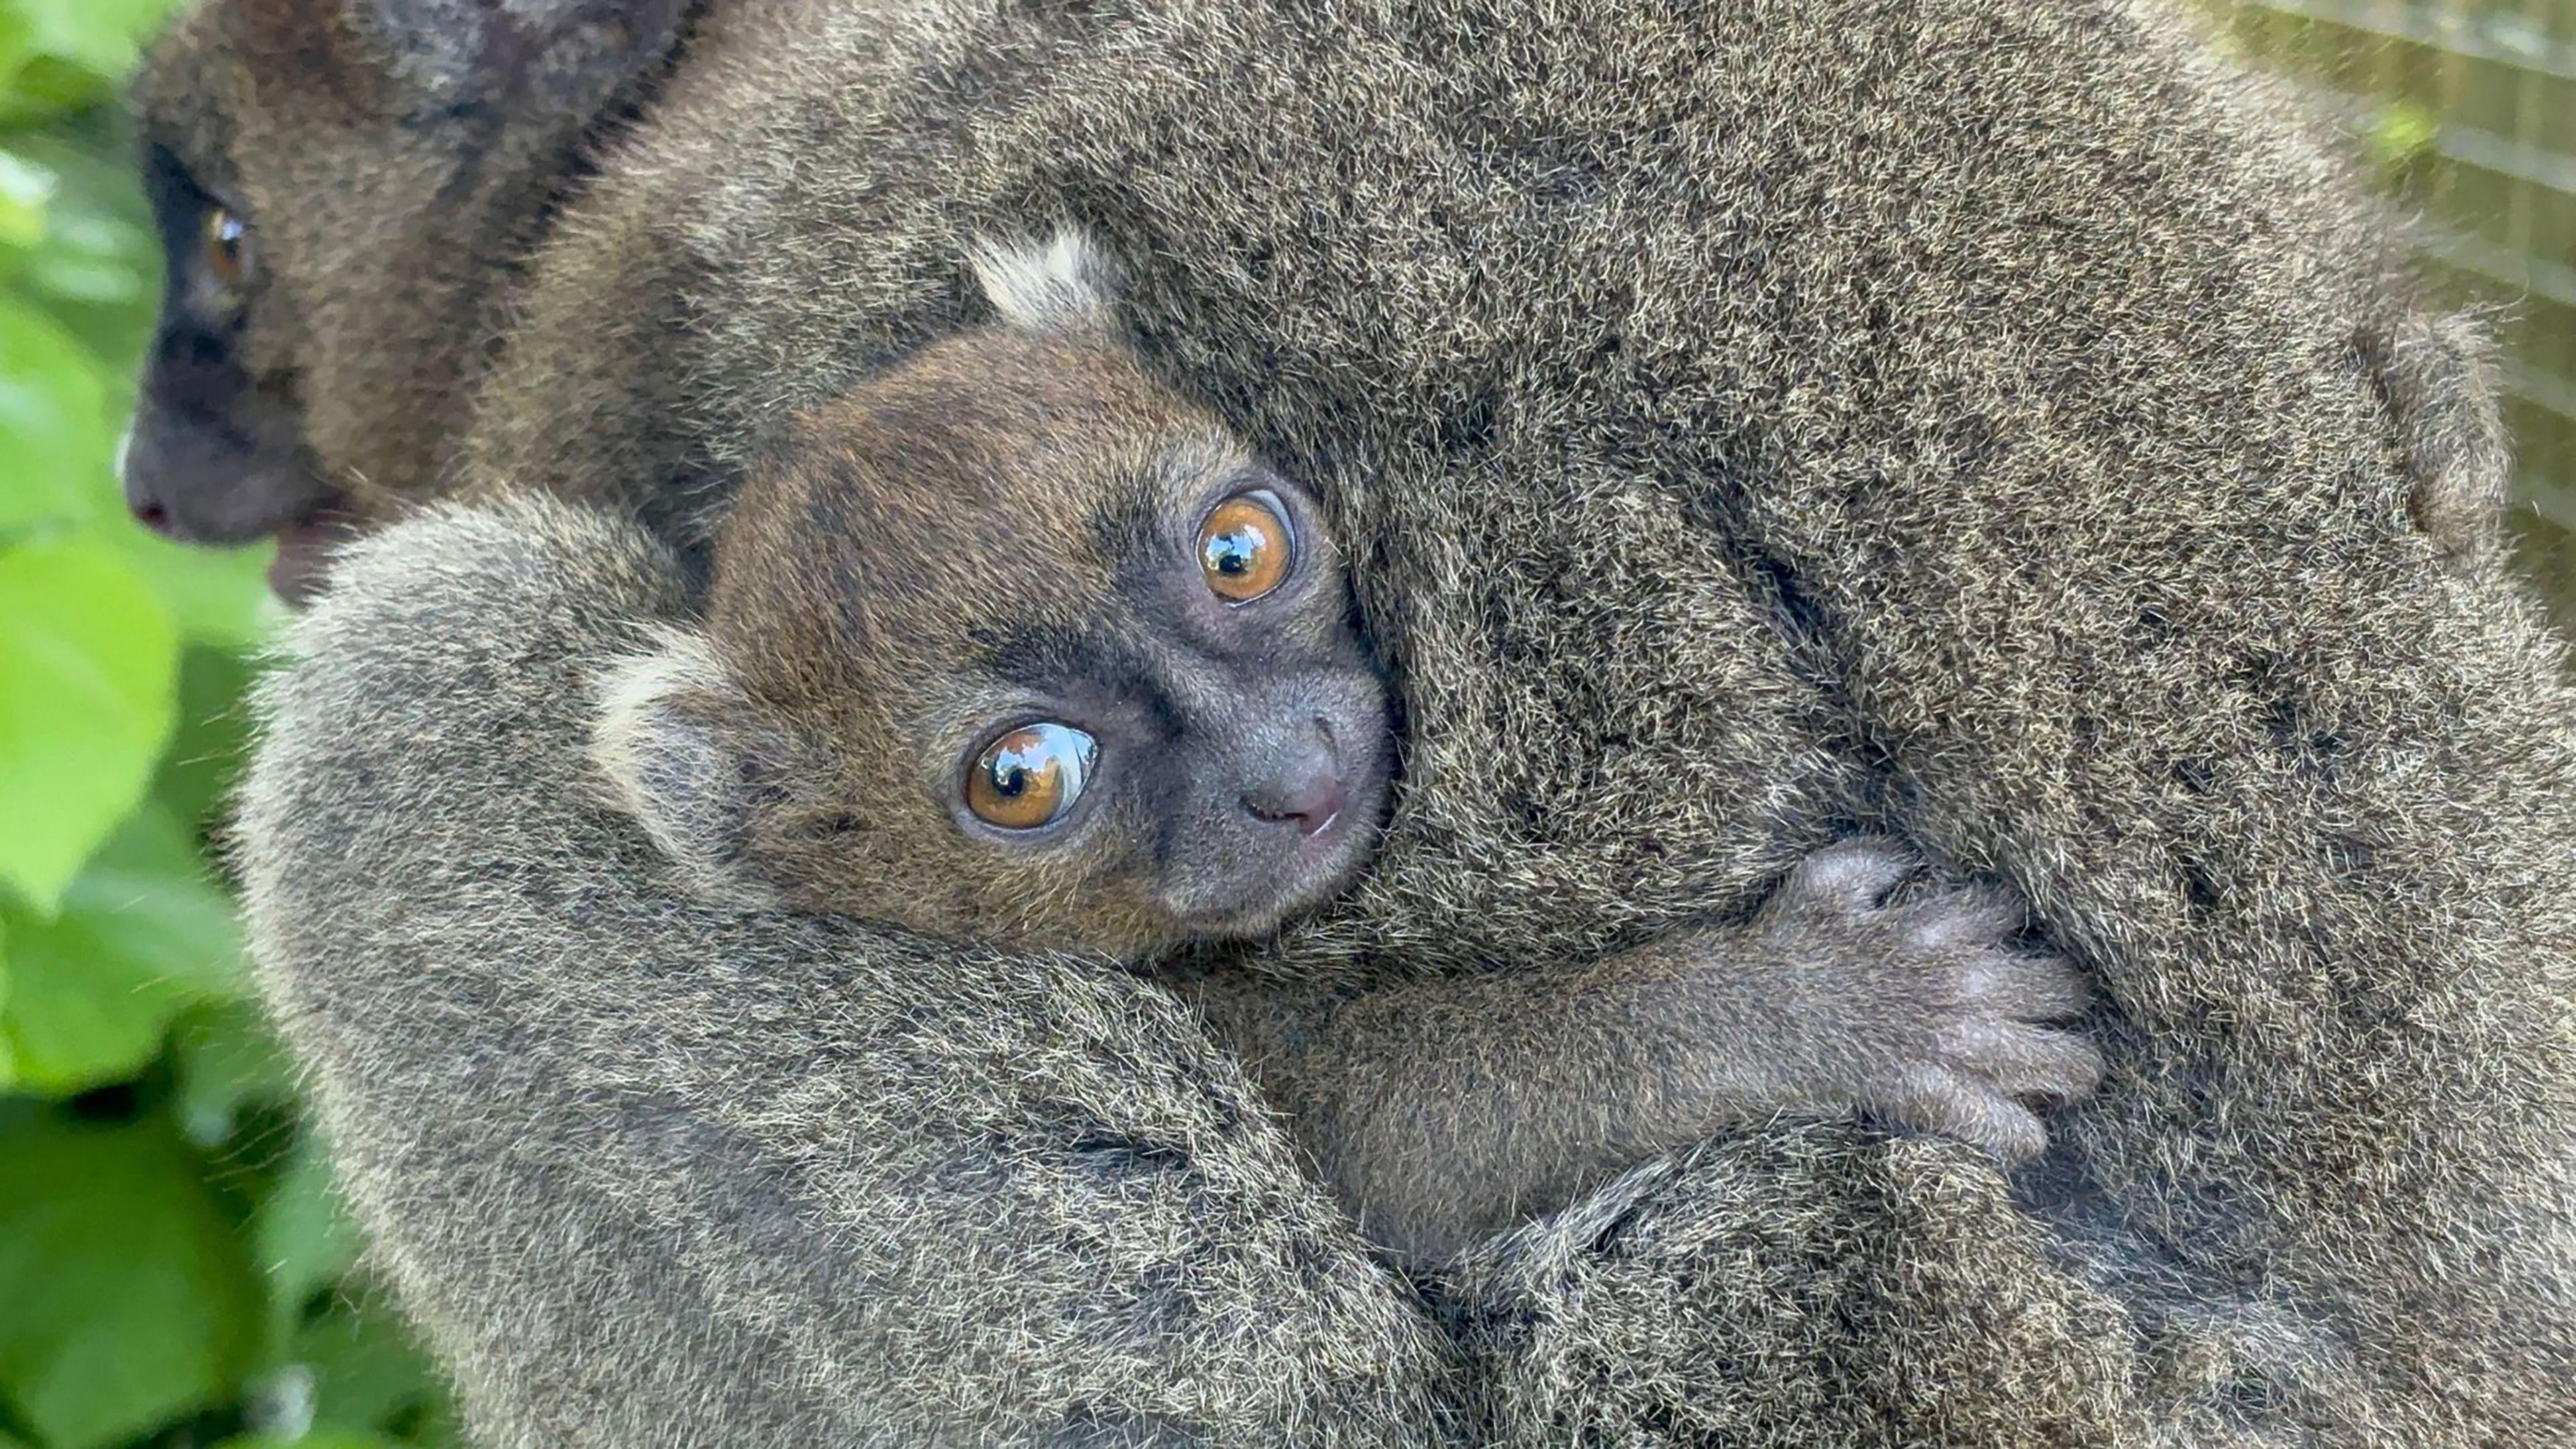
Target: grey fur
650,1172
1446,1110
1940,415
2439,374
843,666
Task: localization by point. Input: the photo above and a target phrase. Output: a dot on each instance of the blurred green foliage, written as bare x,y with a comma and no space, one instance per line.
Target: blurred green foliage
174,1269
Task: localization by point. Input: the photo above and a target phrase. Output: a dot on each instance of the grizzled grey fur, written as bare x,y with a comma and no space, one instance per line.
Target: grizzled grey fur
654,1172
1987,421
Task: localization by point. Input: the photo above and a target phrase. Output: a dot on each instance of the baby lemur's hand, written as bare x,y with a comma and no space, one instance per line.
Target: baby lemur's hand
1934,1020
1443,1110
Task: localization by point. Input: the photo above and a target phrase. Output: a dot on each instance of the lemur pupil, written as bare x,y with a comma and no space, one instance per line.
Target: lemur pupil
225,239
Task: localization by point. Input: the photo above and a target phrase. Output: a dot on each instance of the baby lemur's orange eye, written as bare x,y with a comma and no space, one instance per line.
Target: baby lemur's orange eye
1030,776
1245,548
227,247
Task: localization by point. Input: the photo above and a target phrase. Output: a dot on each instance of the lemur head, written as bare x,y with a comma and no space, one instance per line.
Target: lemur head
1013,643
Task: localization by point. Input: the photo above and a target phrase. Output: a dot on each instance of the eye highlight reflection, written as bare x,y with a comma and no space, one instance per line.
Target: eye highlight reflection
1245,548
226,245
1030,777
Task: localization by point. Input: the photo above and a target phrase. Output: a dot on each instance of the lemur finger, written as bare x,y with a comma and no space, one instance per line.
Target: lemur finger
1974,1115
2022,987
2008,1129
1849,876
1977,915
2054,1067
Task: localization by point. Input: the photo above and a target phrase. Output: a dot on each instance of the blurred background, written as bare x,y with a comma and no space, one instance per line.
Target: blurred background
173,1268
2468,108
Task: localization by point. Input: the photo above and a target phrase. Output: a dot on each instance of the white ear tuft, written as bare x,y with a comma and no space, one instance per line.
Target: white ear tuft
1063,285
660,740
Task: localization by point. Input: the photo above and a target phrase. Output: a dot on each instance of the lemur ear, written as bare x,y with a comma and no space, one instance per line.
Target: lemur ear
661,738
1065,284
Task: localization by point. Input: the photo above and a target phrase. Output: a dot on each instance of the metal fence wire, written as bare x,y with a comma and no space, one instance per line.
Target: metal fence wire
2469,109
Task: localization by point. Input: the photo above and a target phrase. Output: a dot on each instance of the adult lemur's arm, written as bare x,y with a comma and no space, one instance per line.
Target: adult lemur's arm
653,1173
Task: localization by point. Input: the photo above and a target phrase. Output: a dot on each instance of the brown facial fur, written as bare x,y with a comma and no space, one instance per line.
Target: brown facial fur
393,163
1005,519
1005,513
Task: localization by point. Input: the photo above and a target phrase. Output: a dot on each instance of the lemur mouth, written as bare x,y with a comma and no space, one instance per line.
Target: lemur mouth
304,548
1318,867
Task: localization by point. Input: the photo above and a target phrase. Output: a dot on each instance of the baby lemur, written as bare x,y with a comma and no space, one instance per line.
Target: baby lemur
1010,643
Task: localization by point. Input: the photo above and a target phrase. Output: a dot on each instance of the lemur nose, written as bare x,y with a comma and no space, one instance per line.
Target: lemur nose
141,499
1305,789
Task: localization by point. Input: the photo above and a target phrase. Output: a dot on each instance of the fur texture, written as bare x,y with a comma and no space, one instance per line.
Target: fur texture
1002,530
651,1172
1968,418
1008,527
390,163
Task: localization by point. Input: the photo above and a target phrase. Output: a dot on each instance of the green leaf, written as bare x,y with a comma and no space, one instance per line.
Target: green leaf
156,905
124,1299
54,423
302,1238
99,270
8,1058
46,88
100,36
26,195
318,1439
2403,132
17,42
220,596
368,1375
315,1440
89,663
94,260
142,935
212,741
228,1062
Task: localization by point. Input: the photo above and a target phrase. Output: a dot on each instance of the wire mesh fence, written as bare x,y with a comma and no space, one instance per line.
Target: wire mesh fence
2469,107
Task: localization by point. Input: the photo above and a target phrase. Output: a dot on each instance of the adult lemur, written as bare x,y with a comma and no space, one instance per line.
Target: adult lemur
344,189
1011,644
1972,419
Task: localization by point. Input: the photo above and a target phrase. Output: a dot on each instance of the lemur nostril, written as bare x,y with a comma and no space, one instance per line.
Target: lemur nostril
1311,799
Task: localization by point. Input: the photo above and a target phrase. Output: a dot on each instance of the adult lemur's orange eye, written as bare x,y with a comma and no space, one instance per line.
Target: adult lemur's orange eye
1245,548
1030,776
227,247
